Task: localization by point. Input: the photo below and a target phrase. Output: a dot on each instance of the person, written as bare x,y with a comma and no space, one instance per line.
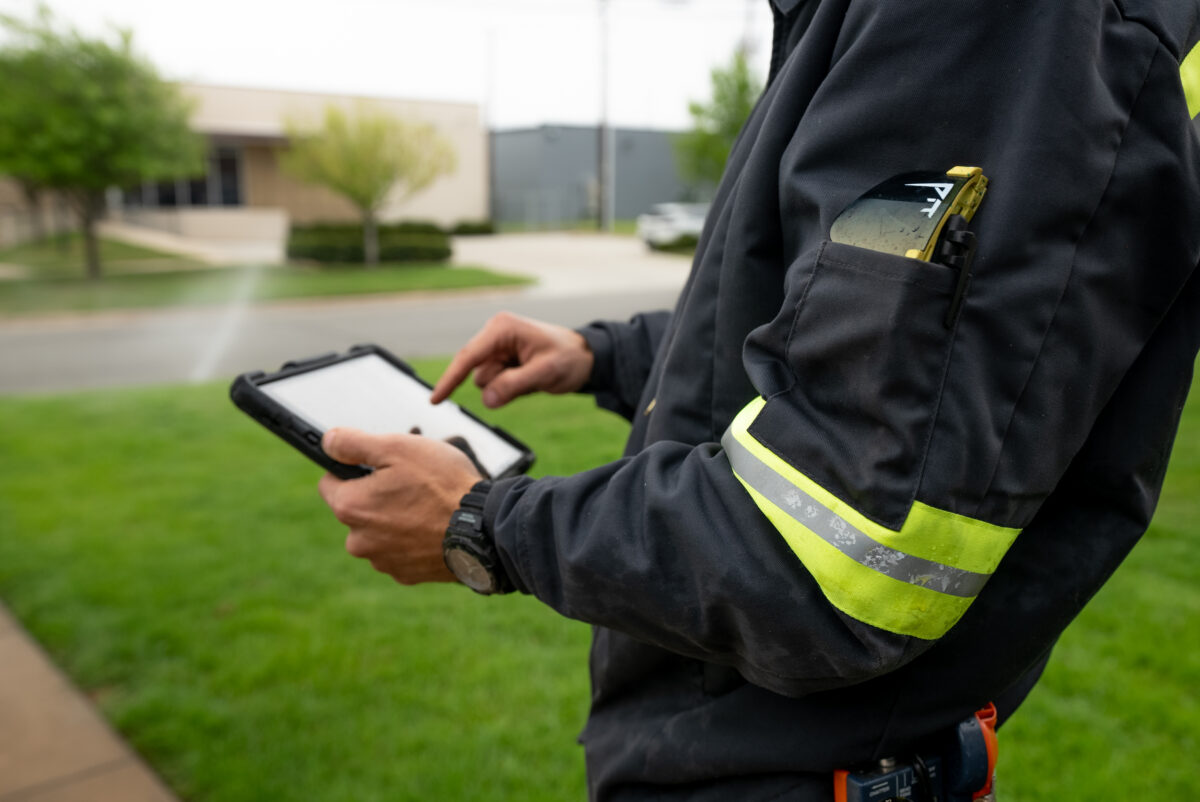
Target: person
840,526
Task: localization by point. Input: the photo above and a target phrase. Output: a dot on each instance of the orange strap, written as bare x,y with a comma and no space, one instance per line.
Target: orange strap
839,785
987,724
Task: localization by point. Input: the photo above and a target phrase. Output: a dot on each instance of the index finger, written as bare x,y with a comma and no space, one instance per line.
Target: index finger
477,350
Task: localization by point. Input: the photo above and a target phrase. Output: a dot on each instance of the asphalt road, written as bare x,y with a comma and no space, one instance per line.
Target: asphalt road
582,278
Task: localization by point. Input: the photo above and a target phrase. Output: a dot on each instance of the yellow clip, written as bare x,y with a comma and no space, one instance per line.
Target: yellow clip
965,202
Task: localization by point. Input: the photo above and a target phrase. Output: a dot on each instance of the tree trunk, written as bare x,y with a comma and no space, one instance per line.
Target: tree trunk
370,240
62,229
33,198
89,206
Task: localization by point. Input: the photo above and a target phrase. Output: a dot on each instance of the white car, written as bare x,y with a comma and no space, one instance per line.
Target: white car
668,223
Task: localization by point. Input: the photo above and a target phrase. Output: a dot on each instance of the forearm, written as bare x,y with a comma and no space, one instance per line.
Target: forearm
667,547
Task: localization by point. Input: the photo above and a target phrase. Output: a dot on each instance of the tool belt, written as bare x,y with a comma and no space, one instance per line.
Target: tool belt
961,771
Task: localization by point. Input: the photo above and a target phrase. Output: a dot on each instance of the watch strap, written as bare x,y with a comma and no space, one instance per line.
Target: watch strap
467,532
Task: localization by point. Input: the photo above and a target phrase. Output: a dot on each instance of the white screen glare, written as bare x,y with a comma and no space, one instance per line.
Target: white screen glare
371,394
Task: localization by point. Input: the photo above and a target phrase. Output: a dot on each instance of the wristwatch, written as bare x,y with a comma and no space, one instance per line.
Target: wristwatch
469,551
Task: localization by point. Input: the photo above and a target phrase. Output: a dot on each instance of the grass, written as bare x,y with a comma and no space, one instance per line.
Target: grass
178,563
62,256
1114,716
140,278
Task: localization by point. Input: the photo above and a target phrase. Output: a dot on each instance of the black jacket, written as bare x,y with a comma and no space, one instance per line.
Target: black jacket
739,656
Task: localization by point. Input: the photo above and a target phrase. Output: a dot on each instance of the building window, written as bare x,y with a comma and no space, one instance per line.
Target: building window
228,170
198,191
167,196
221,185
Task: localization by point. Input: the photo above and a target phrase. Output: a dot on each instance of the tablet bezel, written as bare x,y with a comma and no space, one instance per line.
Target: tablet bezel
247,394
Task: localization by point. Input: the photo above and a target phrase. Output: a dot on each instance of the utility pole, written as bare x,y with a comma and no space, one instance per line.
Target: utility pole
604,149
489,116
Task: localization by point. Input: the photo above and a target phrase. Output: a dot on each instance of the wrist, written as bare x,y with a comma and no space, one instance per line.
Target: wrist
585,362
598,343
469,549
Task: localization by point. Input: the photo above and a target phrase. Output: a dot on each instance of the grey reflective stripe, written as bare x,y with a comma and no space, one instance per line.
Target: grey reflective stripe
842,535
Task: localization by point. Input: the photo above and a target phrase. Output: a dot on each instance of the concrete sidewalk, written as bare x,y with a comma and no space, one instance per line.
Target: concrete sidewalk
571,263
54,745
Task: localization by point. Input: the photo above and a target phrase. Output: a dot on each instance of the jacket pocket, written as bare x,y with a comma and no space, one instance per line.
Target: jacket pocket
868,349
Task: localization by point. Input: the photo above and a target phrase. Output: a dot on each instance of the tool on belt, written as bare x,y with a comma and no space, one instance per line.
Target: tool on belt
961,771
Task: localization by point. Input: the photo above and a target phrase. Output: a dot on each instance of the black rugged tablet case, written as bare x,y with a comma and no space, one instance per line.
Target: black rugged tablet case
305,437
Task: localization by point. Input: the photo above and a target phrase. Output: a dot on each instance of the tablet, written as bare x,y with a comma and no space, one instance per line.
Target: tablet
366,388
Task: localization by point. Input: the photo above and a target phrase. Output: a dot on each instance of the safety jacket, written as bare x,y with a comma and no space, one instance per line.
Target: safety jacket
840,526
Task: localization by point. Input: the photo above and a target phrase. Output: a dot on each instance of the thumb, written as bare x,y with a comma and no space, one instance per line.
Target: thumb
354,446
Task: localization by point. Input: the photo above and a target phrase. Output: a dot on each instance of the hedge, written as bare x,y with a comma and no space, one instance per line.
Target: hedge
398,242
400,227
468,228
684,243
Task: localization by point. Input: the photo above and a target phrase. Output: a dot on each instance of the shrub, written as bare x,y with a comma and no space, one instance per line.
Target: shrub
683,244
342,242
467,228
413,227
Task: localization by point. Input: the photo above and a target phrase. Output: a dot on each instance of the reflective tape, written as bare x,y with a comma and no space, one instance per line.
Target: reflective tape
843,535
916,581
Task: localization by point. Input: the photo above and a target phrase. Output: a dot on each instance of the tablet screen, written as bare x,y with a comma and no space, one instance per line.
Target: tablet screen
371,394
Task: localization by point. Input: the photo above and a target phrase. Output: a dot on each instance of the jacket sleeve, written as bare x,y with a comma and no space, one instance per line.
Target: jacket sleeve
853,511
624,353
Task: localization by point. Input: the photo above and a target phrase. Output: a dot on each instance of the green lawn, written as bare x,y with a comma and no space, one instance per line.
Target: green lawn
139,278
62,256
176,561
1115,715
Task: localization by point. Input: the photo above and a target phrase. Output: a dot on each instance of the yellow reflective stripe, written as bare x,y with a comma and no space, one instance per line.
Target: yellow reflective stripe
917,581
859,591
1189,74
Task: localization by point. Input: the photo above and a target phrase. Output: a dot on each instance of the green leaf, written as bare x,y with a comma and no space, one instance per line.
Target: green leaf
701,153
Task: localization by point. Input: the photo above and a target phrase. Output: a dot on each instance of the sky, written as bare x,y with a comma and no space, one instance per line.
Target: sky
525,62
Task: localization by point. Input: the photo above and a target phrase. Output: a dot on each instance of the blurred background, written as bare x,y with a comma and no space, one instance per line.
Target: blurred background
541,100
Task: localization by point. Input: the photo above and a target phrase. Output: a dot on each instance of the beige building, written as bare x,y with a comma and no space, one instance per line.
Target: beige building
17,223
245,196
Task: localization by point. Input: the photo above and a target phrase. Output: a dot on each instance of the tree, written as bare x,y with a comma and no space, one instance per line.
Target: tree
81,115
701,153
366,158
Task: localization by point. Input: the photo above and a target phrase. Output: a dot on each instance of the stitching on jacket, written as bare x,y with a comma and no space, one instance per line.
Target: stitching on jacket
1179,50
936,412
1065,287
787,346
726,216
917,281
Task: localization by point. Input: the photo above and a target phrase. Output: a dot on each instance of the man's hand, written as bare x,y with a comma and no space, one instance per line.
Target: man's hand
513,356
398,515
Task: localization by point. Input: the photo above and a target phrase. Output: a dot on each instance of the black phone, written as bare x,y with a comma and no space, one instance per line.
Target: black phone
371,389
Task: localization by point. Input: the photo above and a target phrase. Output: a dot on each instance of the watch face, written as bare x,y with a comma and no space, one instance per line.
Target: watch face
469,570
